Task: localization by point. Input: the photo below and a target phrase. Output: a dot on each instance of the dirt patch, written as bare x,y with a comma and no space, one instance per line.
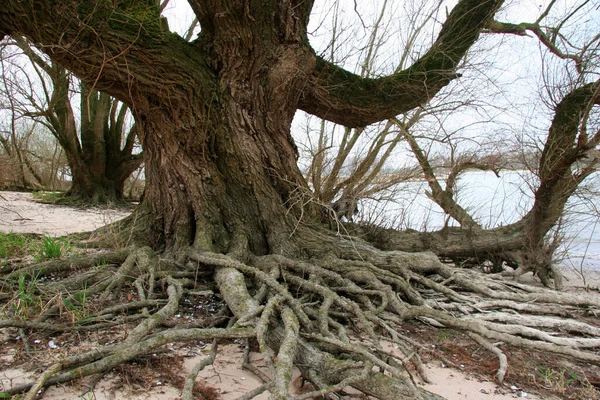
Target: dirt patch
537,374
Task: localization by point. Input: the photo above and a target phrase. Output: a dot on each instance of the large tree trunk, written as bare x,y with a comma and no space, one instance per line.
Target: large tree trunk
100,163
90,189
222,175
223,105
214,118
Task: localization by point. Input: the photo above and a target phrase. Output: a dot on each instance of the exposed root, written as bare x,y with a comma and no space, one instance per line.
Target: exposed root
41,381
76,263
333,318
188,389
106,358
503,361
145,260
250,367
286,354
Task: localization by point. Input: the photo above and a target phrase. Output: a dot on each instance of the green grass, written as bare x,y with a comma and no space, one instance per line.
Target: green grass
563,381
25,289
52,198
77,304
26,300
443,335
13,245
50,247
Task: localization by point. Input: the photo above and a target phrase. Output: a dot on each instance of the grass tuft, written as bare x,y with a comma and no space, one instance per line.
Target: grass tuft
13,245
26,301
50,247
564,381
54,198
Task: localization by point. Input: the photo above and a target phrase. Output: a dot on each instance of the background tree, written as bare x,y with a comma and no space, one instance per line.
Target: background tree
565,160
224,195
346,164
22,163
97,137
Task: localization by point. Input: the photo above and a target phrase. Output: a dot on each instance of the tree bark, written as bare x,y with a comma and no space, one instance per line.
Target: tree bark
103,163
214,115
214,120
221,164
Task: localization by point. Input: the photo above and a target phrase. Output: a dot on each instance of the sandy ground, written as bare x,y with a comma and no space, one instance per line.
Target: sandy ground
232,381
19,213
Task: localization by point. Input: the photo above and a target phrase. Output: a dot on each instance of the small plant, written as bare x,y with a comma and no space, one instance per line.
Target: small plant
13,245
443,335
51,247
77,304
548,376
101,264
52,198
24,291
565,380
26,296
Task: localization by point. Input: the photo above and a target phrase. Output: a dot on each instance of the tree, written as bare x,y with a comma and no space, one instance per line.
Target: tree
346,164
226,200
98,139
16,136
210,210
563,166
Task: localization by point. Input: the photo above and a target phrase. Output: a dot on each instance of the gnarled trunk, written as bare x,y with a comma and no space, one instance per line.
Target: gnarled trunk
214,115
99,161
103,159
222,173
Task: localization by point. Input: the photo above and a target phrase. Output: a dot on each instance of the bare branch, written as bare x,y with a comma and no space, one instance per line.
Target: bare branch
339,96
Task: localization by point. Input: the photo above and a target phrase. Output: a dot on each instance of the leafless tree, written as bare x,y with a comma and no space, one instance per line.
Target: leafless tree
18,166
97,137
533,242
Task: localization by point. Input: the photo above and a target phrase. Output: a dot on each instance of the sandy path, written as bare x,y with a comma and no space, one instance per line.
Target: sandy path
232,381
20,214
